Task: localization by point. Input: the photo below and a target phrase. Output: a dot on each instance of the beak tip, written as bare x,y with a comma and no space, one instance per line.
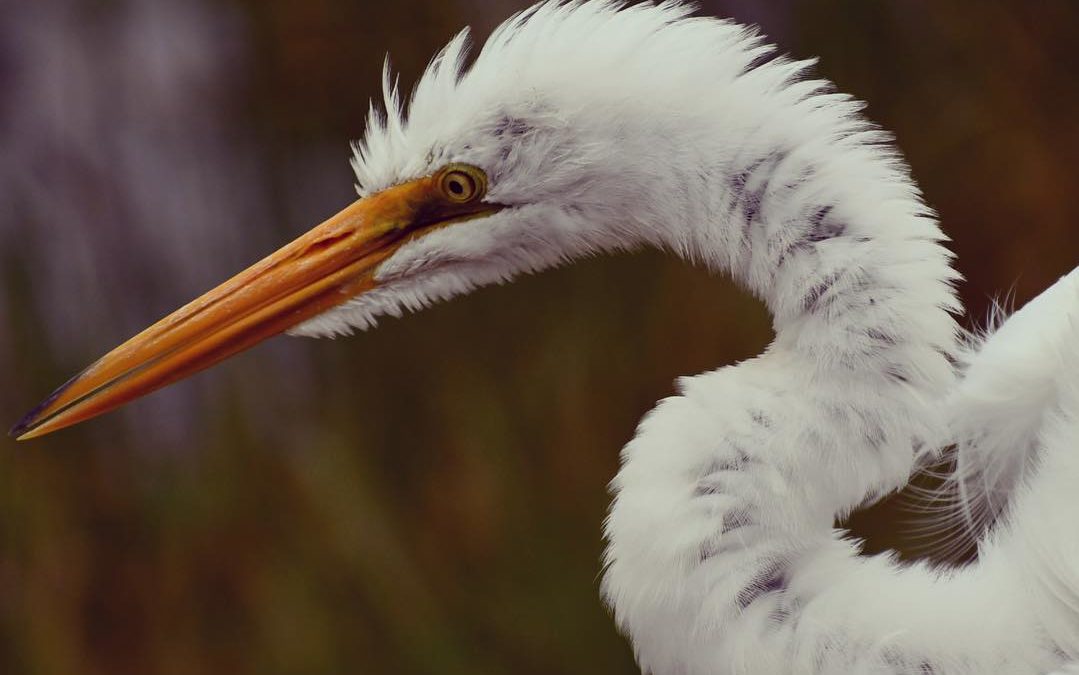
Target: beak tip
25,428
21,428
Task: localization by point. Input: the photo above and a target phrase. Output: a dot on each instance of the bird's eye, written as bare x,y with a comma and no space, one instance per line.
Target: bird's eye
461,183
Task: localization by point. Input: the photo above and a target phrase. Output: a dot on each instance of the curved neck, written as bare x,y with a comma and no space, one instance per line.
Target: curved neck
726,499
833,237
835,240
727,496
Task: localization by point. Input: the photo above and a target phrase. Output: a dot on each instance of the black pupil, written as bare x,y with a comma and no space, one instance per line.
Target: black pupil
457,187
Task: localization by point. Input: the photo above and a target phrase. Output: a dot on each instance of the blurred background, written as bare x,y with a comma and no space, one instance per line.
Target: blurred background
372,504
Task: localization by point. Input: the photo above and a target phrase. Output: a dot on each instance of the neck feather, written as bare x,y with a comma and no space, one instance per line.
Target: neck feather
823,223
821,220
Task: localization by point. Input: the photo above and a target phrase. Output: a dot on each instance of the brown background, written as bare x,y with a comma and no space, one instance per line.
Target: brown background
425,498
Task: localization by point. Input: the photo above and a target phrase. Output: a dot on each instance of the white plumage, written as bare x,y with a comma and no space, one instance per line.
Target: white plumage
608,128
605,128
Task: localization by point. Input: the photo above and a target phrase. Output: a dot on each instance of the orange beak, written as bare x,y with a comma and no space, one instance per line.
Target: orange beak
323,268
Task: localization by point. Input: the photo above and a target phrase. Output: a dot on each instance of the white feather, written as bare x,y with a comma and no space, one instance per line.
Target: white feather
605,127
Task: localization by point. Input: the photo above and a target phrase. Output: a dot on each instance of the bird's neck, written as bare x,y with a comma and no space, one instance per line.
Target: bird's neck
833,237
727,486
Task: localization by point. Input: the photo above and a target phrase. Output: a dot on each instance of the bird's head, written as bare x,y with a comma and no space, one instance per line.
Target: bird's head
555,143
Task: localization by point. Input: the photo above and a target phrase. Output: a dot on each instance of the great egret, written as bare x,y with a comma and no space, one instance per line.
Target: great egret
591,127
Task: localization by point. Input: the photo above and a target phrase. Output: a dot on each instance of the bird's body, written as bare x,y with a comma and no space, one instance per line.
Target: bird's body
587,127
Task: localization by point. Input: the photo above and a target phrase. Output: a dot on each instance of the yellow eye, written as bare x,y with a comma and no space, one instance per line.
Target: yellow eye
461,183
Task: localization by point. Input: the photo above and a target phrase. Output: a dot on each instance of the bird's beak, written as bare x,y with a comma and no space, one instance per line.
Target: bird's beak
323,268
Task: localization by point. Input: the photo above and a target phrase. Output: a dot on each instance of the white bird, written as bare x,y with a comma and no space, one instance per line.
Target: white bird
593,127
